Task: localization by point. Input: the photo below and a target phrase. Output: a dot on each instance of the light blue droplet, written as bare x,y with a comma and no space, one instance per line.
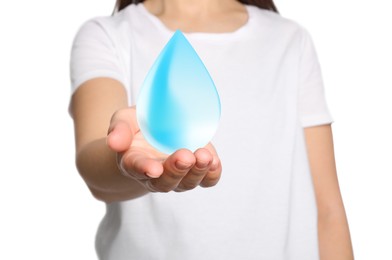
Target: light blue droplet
178,104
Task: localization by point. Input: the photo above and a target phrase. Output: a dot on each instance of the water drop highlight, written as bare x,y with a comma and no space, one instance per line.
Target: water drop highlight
178,105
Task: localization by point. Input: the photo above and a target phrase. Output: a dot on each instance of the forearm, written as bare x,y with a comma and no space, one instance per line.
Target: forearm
97,165
334,236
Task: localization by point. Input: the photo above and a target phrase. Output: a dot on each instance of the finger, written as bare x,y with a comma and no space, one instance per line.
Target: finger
214,173
119,138
123,127
203,161
176,166
137,165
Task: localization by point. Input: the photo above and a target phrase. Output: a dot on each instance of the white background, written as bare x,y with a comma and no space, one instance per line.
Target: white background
46,210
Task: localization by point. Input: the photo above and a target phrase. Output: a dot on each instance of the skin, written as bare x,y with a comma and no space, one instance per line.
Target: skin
113,157
333,230
118,164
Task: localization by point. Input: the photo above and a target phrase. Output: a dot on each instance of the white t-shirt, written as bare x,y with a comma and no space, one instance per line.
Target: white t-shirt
269,81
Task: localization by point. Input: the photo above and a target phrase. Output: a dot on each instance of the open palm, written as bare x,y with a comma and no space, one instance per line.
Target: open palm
183,170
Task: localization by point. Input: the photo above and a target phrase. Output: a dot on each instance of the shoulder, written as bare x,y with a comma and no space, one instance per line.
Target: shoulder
272,21
275,27
108,26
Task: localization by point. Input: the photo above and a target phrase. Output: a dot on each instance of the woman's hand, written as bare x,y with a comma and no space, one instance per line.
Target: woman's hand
158,172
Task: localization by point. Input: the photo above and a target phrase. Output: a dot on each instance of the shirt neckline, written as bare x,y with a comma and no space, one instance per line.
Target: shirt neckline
210,35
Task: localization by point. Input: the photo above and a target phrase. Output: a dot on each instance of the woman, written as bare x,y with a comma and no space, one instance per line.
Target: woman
278,195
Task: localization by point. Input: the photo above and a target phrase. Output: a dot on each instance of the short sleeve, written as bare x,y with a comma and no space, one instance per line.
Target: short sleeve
93,54
313,109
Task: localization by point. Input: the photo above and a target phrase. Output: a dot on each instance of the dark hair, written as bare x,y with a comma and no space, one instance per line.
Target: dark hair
263,4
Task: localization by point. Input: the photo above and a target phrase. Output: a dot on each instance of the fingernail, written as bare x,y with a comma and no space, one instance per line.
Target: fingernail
183,165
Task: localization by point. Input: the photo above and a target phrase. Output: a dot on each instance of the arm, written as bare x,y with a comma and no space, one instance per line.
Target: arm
92,107
334,235
120,165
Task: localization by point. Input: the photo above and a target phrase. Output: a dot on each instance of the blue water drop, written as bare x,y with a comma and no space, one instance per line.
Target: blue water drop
178,105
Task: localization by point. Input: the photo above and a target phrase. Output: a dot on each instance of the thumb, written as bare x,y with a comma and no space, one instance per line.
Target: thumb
123,127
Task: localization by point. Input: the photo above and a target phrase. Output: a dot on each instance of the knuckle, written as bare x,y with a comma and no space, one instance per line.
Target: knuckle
176,175
198,173
159,187
187,186
164,189
210,180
